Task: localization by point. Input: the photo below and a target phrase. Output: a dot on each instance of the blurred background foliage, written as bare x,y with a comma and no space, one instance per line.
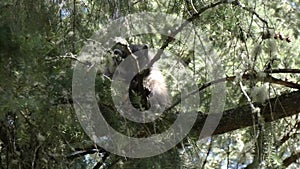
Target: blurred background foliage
39,127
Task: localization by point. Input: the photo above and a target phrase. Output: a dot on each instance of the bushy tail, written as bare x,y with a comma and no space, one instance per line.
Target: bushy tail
159,95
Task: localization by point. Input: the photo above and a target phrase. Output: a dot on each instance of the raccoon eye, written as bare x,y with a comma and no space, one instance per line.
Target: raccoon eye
119,52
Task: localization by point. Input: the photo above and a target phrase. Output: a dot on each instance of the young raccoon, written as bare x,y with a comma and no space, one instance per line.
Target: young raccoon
148,87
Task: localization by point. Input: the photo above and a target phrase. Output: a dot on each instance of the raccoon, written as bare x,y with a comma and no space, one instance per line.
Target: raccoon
148,87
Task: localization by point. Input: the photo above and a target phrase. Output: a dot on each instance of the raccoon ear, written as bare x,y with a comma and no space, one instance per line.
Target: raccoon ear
145,46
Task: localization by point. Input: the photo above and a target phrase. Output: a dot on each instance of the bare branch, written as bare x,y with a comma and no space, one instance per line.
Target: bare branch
268,78
282,71
180,28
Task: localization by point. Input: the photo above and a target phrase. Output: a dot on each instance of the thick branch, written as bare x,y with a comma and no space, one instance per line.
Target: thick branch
291,159
274,109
